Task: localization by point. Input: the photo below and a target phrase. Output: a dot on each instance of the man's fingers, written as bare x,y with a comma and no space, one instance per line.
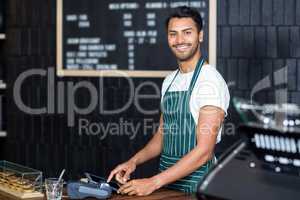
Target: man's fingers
119,178
133,192
126,176
124,187
112,173
129,190
110,177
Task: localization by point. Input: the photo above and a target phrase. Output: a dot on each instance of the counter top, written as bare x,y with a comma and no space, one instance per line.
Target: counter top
164,194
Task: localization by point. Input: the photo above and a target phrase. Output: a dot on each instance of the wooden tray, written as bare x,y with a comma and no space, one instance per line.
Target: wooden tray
20,195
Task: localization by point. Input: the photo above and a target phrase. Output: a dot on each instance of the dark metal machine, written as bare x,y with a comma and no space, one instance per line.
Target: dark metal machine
265,165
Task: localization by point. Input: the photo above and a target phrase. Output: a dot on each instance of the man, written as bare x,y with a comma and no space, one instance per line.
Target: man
194,102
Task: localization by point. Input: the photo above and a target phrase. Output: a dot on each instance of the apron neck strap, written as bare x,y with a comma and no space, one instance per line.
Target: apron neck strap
196,74
194,78
172,81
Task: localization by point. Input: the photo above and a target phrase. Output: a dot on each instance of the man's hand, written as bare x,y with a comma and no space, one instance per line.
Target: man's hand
122,172
140,187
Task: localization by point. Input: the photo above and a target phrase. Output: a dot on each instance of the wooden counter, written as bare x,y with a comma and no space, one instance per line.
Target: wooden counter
158,195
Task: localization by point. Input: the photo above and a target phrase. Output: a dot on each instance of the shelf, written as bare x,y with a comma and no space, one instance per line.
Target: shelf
3,133
2,36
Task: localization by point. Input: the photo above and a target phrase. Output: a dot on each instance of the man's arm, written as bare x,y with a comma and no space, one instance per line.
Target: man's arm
151,150
209,122
153,147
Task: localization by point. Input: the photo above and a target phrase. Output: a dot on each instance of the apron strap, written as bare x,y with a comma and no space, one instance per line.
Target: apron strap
196,74
172,81
194,78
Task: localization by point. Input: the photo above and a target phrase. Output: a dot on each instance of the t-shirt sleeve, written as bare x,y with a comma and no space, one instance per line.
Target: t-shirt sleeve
211,89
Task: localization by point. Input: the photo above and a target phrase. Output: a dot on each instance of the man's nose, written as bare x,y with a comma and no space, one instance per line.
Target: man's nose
179,39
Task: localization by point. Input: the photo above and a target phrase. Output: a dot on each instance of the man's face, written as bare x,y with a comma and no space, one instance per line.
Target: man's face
184,38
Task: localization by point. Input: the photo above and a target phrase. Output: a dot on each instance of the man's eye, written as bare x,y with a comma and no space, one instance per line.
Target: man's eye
188,32
172,34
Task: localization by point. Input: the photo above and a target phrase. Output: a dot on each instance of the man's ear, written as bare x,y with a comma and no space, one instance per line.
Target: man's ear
201,36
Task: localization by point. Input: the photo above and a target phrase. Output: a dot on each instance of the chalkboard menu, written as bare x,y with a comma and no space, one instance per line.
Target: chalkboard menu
118,37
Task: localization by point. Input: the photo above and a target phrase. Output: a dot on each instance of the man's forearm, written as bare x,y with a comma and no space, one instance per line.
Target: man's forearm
151,150
188,164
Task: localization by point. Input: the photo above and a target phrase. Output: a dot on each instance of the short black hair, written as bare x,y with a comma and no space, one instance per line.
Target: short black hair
185,11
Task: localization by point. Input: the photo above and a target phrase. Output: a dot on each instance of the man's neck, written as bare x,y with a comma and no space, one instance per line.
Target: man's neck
189,65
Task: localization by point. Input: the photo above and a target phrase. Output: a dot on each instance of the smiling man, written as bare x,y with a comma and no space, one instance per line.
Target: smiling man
194,103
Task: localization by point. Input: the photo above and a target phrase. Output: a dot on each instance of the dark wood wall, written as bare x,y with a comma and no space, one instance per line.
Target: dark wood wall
255,39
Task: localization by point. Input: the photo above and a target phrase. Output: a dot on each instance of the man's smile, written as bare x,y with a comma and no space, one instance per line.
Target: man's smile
182,47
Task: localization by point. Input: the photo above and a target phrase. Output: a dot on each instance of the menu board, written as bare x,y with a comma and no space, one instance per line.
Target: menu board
117,37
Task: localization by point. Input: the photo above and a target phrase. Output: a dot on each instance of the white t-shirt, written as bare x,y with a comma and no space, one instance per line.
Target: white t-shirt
210,89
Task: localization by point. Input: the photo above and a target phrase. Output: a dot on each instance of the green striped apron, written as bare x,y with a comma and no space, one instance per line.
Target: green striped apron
179,133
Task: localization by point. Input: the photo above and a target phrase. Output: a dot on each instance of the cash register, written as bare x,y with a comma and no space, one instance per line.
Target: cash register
265,164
